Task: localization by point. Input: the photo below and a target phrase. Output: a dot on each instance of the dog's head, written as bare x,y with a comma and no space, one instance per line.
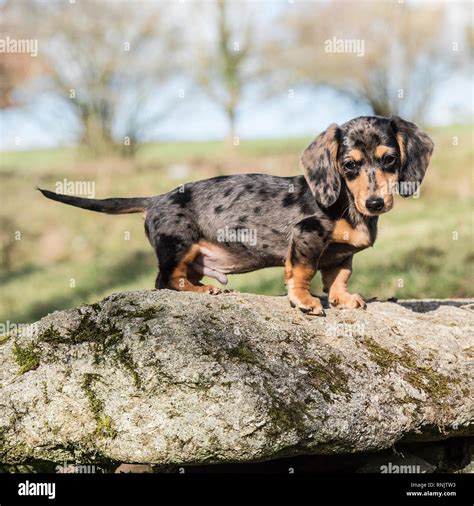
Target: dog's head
375,157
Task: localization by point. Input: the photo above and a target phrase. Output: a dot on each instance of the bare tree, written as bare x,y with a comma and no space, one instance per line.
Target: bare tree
16,68
15,71
108,62
387,55
225,63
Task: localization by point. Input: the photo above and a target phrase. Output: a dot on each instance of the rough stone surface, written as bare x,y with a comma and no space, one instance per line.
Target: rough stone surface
161,377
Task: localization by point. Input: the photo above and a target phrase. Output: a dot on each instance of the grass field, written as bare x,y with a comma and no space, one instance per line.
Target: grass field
55,257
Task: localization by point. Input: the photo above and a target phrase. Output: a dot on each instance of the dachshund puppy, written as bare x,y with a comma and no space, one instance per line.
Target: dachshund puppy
235,224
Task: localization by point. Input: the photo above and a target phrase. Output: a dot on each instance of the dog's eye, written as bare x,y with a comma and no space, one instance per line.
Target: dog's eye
389,160
350,165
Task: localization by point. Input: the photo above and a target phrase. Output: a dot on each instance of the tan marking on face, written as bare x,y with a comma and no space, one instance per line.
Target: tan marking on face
401,145
384,180
382,150
359,187
344,233
386,185
355,154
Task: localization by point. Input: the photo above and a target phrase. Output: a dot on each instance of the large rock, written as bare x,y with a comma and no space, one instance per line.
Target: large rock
180,378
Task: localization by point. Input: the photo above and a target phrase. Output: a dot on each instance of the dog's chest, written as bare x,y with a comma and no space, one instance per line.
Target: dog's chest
358,236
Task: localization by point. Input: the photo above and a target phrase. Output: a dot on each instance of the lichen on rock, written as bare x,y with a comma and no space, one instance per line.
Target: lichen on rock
168,378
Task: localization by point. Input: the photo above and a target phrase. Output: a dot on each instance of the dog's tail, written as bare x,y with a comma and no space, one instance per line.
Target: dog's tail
110,206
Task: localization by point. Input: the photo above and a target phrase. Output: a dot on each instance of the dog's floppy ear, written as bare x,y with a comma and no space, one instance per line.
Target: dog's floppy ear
319,164
416,148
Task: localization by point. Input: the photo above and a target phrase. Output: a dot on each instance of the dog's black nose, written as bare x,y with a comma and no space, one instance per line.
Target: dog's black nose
374,204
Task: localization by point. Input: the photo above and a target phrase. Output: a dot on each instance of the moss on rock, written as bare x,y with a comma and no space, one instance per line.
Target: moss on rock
4,339
125,359
243,353
104,425
328,375
27,357
51,335
420,377
103,335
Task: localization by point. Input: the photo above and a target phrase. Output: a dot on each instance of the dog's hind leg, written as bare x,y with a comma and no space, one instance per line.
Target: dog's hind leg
194,276
175,259
174,237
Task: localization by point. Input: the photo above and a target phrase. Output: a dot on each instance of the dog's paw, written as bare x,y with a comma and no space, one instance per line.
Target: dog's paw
347,301
210,289
307,304
214,290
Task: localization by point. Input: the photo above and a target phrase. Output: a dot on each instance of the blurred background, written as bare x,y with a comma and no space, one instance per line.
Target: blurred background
135,98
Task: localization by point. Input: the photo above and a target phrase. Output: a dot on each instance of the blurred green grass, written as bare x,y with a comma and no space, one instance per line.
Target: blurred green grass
66,256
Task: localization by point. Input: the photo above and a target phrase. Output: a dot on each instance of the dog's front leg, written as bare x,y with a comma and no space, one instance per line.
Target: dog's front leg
335,283
308,240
